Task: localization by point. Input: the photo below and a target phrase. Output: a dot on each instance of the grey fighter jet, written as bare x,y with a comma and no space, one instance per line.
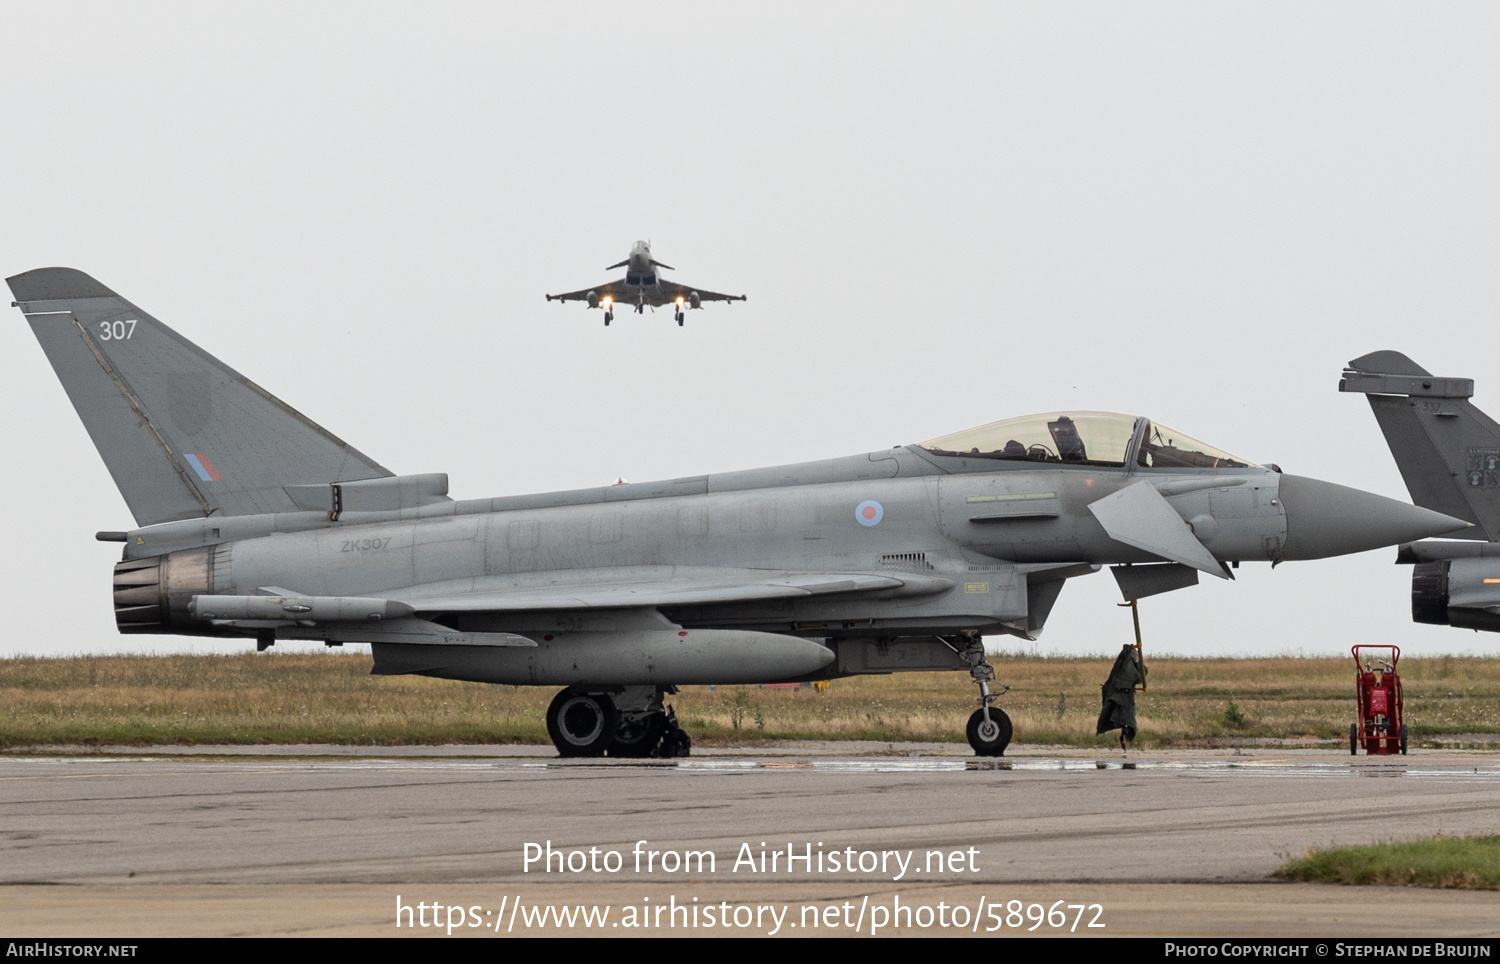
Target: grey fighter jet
1449,455
252,522
643,287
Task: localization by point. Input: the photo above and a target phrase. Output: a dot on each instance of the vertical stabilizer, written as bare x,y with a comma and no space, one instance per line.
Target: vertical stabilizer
1448,451
183,434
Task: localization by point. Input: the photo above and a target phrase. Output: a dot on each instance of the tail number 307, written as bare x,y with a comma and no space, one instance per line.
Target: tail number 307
116,330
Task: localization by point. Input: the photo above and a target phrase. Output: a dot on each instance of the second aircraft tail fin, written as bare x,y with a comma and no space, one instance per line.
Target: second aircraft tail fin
1448,451
183,434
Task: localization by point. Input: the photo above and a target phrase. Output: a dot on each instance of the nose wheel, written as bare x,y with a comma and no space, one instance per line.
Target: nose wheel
989,731
679,319
609,316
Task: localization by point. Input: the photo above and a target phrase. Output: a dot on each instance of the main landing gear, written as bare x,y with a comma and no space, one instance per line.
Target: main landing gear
989,730
627,721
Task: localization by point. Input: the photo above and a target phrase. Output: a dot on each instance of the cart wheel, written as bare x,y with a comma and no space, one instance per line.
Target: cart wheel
1353,738
1403,739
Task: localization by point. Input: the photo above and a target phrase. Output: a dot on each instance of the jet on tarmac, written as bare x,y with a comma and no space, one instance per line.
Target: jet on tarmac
643,286
1449,455
252,522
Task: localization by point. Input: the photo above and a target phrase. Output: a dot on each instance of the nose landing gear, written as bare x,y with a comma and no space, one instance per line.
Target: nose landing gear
989,730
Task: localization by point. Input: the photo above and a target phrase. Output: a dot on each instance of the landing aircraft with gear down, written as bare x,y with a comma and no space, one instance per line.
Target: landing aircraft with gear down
643,287
254,523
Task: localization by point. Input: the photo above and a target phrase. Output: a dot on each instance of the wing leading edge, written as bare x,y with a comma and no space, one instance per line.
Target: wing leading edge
657,295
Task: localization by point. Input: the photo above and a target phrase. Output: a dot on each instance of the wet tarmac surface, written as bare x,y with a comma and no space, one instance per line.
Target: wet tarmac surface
162,832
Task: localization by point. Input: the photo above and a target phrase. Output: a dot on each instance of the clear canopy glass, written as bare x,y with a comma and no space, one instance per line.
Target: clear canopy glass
1082,438
1166,448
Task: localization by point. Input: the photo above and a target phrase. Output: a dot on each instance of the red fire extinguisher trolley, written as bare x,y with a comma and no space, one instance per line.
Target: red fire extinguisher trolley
1381,728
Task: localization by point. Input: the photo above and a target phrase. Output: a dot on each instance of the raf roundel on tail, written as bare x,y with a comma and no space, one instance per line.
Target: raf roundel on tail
254,523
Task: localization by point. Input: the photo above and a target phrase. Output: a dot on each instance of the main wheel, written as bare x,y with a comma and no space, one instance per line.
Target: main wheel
582,724
989,737
1353,738
1403,739
639,738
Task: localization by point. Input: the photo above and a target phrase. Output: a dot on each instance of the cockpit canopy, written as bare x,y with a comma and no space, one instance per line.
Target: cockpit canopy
1084,438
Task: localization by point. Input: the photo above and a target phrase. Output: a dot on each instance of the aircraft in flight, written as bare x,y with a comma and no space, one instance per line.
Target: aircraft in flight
1448,452
252,522
643,287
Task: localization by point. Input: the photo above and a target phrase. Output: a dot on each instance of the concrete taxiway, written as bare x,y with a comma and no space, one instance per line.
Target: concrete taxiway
1179,843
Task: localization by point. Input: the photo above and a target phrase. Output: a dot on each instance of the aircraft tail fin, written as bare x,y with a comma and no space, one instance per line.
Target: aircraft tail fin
1448,451
183,435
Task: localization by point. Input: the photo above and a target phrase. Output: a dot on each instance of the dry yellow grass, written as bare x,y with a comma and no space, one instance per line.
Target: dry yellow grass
331,698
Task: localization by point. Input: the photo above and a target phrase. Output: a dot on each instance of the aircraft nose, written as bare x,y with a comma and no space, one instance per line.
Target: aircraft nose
1323,519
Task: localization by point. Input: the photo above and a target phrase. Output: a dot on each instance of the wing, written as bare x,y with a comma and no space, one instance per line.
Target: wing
615,290
671,291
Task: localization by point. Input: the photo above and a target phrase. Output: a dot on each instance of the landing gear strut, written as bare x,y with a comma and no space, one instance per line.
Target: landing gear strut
989,730
675,741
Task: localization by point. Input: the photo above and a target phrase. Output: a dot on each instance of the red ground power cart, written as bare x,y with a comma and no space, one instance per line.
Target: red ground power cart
1381,728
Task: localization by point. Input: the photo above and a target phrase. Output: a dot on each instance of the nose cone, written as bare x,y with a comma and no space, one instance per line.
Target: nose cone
1323,519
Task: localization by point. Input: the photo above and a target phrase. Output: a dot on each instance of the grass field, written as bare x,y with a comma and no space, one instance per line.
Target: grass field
331,698
1469,863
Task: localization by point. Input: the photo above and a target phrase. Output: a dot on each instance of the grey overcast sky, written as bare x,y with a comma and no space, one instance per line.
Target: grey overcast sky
943,214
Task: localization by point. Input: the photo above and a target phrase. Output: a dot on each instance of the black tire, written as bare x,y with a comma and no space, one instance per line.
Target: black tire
1353,738
679,319
989,740
639,739
582,724
1403,739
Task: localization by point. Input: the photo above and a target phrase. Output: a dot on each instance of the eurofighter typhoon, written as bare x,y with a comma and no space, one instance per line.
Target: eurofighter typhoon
253,522
643,287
